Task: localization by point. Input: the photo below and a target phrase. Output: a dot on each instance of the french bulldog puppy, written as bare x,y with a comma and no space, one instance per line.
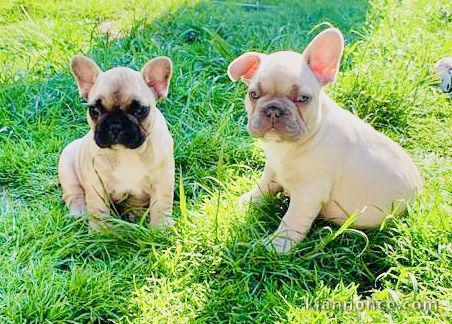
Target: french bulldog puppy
329,161
127,156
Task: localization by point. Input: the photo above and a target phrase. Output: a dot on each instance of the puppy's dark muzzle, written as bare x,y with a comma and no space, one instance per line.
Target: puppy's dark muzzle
118,129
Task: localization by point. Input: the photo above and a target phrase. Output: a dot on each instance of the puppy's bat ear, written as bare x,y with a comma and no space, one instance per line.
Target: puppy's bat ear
85,72
157,75
244,67
324,53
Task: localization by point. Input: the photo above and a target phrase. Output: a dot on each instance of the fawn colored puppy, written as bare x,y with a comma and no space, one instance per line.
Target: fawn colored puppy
329,161
126,159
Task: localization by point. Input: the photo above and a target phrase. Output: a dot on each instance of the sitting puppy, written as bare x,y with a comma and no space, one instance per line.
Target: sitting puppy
127,156
328,160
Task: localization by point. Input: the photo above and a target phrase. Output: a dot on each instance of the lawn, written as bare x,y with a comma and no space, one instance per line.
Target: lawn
212,266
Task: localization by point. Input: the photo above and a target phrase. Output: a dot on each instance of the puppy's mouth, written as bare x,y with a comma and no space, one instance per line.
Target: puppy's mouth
282,130
275,120
118,129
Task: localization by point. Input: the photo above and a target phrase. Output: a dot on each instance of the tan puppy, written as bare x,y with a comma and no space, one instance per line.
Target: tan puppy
127,156
328,160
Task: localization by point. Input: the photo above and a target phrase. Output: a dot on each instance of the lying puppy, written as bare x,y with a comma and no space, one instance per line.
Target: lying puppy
127,156
444,70
328,160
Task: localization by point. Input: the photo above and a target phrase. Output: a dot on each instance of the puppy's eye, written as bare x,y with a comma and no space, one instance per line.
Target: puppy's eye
141,111
302,99
95,111
254,95
138,110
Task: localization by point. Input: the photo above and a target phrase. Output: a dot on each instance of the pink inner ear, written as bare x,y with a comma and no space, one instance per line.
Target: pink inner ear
323,55
157,75
323,71
159,86
85,87
244,67
86,78
251,70
323,62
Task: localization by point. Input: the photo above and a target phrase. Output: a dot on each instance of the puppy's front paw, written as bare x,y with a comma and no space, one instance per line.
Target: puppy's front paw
77,207
280,243
77,212
245,200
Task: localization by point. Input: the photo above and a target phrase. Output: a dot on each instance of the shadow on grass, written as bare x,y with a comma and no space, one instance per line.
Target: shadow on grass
250,280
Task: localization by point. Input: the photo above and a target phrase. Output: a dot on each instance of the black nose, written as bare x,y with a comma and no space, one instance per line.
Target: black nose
274,111
116,130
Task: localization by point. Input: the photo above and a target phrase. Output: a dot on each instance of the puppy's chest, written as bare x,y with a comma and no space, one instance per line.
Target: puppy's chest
285,168
125,176
290,169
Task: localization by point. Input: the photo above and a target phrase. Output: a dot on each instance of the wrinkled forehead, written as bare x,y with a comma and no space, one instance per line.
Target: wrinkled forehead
280,72
116,88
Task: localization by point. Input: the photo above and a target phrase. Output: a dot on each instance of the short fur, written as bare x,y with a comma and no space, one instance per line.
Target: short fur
127,156
327,159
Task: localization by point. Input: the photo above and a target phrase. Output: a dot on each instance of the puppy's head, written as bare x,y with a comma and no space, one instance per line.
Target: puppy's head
284,87
444,70
121,101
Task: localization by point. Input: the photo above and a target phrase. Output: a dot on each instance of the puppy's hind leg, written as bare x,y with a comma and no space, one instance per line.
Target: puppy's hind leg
73,193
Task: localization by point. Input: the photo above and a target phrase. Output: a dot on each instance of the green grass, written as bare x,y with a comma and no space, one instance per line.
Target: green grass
211,267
